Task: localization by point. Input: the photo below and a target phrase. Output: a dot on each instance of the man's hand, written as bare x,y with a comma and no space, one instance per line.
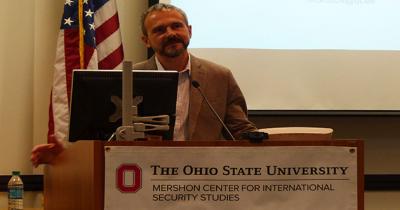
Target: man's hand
45,153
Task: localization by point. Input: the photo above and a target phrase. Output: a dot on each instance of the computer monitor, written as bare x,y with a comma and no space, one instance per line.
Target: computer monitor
96,98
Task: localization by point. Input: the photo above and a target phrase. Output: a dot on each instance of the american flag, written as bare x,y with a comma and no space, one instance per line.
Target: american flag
89,38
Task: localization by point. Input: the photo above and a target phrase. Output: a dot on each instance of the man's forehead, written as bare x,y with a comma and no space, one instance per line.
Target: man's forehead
163,14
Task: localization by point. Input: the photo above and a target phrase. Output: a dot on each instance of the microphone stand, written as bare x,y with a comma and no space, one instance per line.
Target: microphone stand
197,86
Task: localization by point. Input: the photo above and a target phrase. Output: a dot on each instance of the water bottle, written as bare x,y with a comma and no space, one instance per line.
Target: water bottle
15,192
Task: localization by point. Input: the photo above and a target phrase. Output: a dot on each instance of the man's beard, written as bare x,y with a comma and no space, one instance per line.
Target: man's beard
173,52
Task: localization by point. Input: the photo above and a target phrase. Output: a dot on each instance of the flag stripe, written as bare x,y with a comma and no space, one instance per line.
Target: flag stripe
93,63
104,13
59,98
50,124
107,29
109,45
113,59
72,55
89,50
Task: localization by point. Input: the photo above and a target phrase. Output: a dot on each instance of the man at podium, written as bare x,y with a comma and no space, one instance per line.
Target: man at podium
167,31
210,104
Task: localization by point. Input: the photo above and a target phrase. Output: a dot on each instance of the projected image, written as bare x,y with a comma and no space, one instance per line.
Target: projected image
294,24
303,54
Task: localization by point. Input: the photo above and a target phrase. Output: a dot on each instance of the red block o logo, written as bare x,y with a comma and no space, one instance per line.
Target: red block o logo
137,178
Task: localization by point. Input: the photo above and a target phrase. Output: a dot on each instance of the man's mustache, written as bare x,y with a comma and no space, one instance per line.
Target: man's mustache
173,40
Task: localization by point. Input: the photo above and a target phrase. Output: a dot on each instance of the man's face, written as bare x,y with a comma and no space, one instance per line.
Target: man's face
167,33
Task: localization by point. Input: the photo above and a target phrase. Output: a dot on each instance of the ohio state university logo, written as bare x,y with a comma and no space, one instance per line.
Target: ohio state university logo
129,186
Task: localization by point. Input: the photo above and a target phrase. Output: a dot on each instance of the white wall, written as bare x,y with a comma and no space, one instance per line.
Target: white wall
129,15
16,87
16,84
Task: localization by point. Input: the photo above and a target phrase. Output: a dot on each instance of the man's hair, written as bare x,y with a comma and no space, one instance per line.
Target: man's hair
160,7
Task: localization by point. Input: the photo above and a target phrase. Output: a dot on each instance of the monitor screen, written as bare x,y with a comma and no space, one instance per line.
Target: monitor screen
96,101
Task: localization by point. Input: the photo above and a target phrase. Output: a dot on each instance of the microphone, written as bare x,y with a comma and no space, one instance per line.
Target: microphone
197,86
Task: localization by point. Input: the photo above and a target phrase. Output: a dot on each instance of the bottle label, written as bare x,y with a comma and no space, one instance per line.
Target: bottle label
16,193
15,198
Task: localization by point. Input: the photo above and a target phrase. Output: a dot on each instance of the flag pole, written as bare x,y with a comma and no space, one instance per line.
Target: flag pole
81,35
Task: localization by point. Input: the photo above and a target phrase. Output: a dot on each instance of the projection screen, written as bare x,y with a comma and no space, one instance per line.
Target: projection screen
303,54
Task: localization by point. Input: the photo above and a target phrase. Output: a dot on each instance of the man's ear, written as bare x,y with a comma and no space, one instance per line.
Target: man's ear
190,30
146,41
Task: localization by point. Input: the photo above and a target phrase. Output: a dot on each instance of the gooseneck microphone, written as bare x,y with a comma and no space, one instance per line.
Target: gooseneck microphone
197,86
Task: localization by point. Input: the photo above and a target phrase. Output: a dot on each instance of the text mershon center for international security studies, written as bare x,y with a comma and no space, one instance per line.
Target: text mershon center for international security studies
202,189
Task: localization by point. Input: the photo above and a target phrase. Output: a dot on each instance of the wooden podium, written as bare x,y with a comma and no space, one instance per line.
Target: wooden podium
75,180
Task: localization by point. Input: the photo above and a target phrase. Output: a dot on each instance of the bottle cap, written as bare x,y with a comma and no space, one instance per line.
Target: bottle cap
15,173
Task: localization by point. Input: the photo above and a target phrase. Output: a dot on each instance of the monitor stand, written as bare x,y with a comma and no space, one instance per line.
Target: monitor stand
133,126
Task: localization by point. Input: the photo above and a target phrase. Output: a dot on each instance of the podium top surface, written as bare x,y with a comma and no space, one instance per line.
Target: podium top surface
242,143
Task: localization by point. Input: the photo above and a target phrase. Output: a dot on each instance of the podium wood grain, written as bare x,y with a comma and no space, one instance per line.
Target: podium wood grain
75,180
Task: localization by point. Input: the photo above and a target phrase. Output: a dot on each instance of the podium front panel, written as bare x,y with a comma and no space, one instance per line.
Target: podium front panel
231,177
